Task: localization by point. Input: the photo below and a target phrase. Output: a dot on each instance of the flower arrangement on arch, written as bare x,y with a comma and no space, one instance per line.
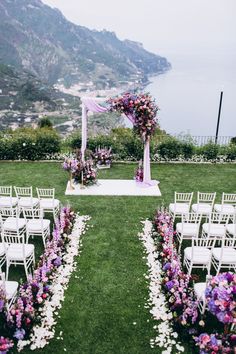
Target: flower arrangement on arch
141,107
102,156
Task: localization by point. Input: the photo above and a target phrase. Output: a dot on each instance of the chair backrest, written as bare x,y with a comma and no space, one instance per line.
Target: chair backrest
32,213
207,242
183,197
228,198
5,191
24,192
207,198
46,193
218,218
191,218
7,212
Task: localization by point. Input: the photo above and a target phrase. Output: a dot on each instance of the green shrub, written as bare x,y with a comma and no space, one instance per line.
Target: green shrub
45,123
29,144
210,151
231,152
233,140
187,150
170,149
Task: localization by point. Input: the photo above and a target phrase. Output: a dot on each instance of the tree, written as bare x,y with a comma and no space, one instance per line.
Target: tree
45,123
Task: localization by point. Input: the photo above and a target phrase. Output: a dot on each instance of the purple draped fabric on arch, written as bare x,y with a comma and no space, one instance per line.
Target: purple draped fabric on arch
92,104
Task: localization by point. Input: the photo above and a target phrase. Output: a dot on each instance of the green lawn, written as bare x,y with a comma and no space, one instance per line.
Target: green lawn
100,307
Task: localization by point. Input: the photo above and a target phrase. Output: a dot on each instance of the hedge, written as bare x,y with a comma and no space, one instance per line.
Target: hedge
29,144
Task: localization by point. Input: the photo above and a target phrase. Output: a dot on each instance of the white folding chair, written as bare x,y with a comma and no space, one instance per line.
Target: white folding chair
25,197
199,290
215,226
6,198
225,256
9,288
188,227
13,237
199,254
228,204
47,201
36,225
181,204
2,247
204,203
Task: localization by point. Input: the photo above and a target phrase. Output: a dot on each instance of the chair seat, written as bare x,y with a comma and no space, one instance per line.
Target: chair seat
201,255
179,208
8,202
11,288
27,202
231,228
187,229
225,208
2,249
199,289
217,230
49,203
202,208
15,251
12,224
228,256
36,225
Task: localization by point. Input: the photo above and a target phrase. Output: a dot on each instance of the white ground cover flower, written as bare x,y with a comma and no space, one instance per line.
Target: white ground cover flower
42,333
166,338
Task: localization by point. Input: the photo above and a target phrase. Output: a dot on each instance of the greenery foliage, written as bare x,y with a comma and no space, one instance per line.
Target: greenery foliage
210,151
29,144
45,122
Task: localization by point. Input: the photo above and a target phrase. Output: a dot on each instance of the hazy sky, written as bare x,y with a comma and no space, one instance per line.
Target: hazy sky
163,26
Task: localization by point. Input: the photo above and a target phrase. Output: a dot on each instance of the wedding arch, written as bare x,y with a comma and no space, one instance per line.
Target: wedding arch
140,109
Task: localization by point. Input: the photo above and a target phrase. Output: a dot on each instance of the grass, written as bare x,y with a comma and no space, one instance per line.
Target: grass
101,306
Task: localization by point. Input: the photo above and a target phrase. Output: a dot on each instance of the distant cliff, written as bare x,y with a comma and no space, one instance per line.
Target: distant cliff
40,39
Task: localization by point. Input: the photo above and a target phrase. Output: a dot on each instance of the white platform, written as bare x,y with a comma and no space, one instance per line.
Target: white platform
115,187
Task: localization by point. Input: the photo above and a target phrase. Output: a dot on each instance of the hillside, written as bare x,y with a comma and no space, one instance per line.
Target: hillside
40,39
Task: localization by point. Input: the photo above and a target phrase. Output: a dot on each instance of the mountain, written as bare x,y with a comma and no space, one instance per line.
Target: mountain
41,40
22,91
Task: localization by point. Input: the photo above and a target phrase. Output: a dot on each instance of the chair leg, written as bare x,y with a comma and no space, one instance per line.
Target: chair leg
7,269
26,270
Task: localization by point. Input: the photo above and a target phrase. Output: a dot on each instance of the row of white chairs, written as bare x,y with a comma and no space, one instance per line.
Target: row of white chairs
24,199
205,204
216,225
15,234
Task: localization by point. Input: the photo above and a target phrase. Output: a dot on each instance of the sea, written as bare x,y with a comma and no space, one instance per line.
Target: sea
188,95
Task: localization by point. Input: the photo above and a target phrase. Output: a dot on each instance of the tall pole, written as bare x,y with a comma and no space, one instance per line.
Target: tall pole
218,120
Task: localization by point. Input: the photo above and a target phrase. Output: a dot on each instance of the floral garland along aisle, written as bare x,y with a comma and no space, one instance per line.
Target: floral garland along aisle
31,319
166,337
169,283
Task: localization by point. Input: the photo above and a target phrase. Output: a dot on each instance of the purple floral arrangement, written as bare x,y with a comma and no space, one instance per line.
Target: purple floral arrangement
143,110
220,294
139,172
176,283
221,297
102,156
81,171
215,343
25,312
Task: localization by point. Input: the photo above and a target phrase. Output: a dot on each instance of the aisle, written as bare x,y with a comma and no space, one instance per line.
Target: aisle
106,310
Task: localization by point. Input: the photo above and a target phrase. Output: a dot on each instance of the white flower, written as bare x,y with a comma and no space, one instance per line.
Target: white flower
157,300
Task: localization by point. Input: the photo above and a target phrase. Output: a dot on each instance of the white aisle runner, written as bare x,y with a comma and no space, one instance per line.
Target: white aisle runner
115,187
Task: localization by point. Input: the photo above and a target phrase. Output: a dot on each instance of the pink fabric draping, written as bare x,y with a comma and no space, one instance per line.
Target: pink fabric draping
91,104
88,104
